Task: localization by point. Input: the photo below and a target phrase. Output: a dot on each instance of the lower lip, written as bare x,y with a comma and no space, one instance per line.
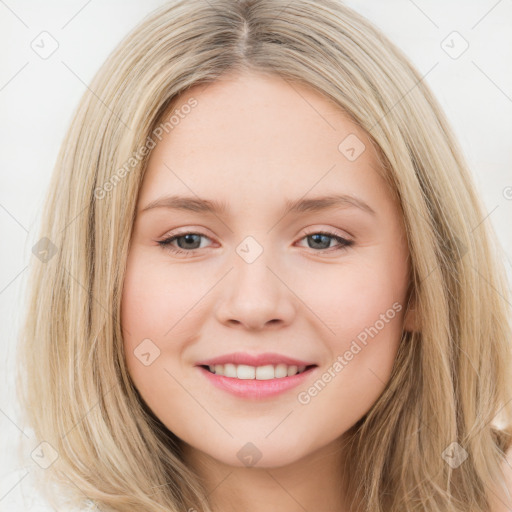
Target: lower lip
253,388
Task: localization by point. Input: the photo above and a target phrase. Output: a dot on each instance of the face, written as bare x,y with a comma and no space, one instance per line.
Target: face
257,270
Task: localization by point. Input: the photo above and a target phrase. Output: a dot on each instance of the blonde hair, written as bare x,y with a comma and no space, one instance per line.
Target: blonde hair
450,378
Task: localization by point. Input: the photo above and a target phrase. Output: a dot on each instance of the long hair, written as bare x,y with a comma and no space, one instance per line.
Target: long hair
450,378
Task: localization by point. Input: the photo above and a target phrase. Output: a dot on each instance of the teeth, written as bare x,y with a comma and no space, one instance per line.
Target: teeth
246,372
281,370
229,370
265,372
292,370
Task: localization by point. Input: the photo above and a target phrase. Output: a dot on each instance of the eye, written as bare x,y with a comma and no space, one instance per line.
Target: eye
189,243
322,239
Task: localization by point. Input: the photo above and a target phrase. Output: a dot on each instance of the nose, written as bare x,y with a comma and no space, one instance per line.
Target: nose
255,296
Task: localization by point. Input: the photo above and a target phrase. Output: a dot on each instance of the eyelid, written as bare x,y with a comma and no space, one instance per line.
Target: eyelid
188,230
328,231
310,230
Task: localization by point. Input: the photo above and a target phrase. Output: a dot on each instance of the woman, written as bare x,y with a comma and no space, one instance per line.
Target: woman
259,367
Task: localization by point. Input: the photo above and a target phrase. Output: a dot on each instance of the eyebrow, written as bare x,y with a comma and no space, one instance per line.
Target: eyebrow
315,204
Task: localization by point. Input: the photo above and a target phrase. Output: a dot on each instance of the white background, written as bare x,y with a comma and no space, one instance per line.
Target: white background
38,96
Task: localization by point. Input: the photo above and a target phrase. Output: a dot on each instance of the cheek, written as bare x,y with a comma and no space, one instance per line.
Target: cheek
356,298
361,312
364,316
151,308
154,299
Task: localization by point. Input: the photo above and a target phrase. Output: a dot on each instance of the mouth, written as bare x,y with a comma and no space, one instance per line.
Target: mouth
265,372
256,382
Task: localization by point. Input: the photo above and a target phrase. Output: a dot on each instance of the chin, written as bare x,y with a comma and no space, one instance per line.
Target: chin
262,454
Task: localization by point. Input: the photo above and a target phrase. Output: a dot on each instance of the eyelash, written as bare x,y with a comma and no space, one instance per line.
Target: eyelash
166,243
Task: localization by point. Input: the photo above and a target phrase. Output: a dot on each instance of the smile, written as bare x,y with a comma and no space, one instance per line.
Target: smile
249,387
246,372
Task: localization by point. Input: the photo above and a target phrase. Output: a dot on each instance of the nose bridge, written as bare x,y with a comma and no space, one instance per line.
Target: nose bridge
252,277
253,295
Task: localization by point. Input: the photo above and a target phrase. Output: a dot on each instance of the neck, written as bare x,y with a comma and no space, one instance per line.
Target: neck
314,482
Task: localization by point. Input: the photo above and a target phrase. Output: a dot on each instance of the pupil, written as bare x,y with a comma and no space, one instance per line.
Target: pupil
316,240
189,239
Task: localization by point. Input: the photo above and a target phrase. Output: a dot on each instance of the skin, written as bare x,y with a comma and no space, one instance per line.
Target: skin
254,141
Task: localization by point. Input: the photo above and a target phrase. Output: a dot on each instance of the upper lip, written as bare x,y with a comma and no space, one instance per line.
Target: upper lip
267,358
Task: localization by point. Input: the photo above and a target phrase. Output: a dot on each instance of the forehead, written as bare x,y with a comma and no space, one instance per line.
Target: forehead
253,136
